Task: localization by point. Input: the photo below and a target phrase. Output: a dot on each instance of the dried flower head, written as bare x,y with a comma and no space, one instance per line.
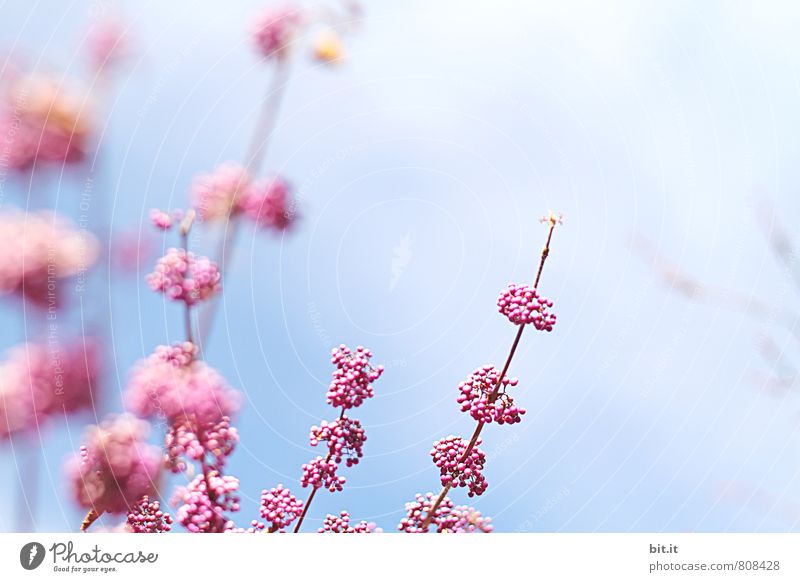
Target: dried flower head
328,46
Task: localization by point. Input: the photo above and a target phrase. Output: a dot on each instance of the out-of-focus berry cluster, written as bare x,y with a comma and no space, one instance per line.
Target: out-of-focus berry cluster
116,467
38,250
183,276
230,191
43,381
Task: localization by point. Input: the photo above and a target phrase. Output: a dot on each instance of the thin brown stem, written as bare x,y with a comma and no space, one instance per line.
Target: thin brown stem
305,508
307,504
256,153
553,220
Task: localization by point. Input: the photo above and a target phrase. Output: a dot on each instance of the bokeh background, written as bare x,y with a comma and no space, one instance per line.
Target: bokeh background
666,134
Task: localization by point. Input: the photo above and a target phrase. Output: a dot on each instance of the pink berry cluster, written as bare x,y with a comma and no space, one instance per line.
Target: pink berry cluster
457,471
477,396
146,517
522,305
341,524
116,467
351,385
230,191
42,381
208,443
194,399
353,377
279,507
345,438
37,251
183,276
447,518
321,472
205,501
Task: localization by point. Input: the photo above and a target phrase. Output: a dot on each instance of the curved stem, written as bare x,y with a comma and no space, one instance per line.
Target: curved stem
307,504
185,227
256,153
493,395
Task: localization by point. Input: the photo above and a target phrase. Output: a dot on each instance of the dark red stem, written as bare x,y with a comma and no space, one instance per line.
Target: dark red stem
477,432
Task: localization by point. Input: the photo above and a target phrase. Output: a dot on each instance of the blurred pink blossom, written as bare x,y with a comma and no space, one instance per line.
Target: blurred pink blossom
116,467
39,381
269,204
43,119
218,195
38,249
173,384
275,28
107,43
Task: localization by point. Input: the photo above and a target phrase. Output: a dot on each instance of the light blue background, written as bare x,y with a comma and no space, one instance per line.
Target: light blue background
450,129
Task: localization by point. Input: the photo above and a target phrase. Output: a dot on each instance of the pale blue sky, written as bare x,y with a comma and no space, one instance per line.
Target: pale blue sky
449,130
